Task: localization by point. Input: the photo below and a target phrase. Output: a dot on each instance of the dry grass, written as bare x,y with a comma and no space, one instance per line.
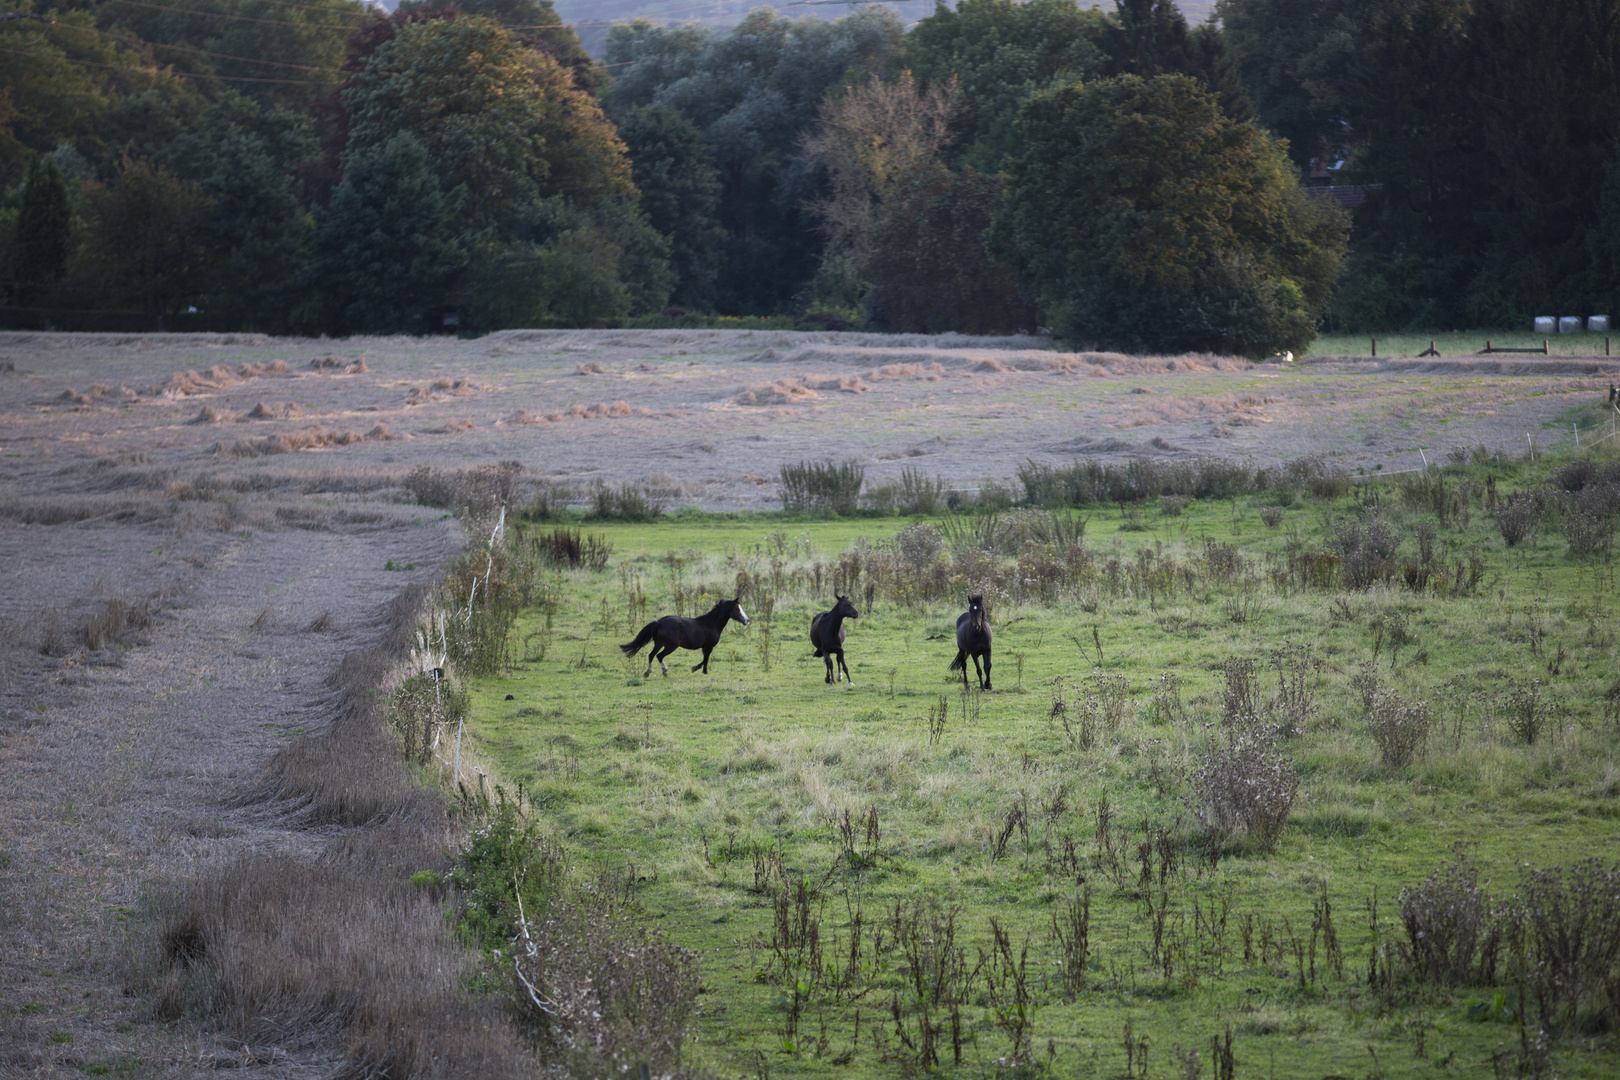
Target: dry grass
118,623
349,950
308,439
350,774
345,951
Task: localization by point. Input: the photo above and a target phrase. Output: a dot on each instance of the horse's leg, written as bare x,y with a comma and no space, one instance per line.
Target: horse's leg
987,685
705,664
845,666
827,659
961,662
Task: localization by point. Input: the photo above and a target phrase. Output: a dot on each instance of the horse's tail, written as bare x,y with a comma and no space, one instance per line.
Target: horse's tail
646,635
960,663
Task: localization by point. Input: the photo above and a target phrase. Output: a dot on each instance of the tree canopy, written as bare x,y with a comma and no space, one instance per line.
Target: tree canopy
1143,218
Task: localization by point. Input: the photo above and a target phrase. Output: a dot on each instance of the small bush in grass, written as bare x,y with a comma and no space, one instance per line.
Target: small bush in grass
1245,788
822,487
567,547
605,995
1297,668
1367,550
550,503
1590,533
1572,918
1272,515
918,494
1324,481
508,863
624,503
1524,711
1448,923
1518,517
1399,727
1173,505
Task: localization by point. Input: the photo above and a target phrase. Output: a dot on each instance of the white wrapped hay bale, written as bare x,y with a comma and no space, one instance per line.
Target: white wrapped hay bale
1570,324
1598,324
1546,324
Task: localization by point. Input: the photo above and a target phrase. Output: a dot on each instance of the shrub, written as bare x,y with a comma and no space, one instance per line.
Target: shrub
1173,505
1575,475
626,503
1241,711
1324,481
1399,727
1088,482
567,547
822,487
1524,711
1272,515
918,494
508,864
604,994
1245,788
1297,667
1448,922
473,490
1572,916
1518,517
1367,549
919,545
1590,533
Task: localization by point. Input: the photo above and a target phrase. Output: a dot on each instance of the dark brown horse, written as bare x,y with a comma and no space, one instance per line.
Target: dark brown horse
827,635
673,632
973,639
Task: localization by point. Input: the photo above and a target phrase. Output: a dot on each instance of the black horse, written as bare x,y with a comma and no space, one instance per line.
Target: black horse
673,632
827,635
973,639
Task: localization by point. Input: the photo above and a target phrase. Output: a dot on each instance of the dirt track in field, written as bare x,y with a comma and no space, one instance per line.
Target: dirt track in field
249,491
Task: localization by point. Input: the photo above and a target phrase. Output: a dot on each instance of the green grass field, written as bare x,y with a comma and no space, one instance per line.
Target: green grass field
890,878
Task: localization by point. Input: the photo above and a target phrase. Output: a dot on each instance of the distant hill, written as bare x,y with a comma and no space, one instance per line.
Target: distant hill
592,18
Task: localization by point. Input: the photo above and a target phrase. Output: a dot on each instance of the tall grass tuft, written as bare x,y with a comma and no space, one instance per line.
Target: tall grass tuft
822,487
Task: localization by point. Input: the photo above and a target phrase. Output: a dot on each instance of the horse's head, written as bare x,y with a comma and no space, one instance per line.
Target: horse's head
976,610
845,609
734,609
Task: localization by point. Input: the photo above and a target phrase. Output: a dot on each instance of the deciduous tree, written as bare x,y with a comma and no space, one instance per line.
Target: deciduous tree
1145,219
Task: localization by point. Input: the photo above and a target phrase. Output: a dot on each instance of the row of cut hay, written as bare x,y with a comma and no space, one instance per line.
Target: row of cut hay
291,442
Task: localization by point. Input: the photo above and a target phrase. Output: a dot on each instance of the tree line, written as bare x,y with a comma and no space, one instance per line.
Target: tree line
1121,178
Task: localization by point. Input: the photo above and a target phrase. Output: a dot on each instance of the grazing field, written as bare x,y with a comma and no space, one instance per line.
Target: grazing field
1099,868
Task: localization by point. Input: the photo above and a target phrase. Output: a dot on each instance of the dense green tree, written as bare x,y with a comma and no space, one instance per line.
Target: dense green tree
495,117
1147,38
929,269
44,228
144,241
58,79
277,53
388,252
680,191
999,52
1145,219
242,155
753,92
1294,58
